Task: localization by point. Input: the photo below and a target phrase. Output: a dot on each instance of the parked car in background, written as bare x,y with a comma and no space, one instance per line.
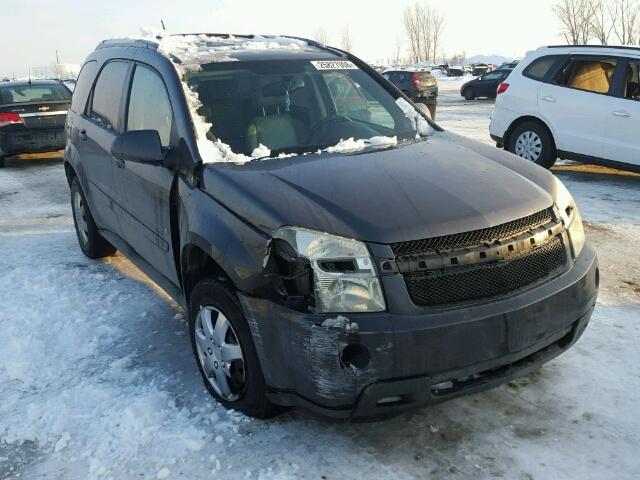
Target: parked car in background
484,86
508,65
355,280
419,86
479,69
578,102
32,116
455,71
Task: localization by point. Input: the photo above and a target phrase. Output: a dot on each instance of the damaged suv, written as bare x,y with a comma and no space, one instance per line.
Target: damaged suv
334,248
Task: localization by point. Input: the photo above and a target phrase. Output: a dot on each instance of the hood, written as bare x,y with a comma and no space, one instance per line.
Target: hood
439,186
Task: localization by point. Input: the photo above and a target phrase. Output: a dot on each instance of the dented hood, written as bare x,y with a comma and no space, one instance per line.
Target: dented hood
443,185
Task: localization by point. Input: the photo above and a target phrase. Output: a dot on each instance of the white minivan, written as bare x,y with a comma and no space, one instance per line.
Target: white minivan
574,102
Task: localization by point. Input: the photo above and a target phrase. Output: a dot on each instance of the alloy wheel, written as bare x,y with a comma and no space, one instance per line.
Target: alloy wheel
219,353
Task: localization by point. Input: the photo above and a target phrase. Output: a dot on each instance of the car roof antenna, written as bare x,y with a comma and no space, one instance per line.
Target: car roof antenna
29,75
162,23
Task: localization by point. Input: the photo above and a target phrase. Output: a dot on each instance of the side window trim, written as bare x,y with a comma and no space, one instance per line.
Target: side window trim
127,99
573,57
88,109
618,84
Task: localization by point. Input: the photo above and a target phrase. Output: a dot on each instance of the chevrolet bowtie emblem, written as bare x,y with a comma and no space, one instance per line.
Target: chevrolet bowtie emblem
43,109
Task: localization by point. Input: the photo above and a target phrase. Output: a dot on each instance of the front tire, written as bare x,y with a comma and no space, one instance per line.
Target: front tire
223,347
533,142
93,245
469,94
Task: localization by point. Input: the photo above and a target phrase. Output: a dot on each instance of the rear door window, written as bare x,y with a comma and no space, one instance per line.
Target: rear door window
83,86
149,106
107,95
588,74
539,68
492,76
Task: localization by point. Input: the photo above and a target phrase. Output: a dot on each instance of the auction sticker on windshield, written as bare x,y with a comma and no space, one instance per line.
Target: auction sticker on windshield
334,65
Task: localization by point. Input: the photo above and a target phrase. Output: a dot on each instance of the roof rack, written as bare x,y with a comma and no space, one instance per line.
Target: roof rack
616,47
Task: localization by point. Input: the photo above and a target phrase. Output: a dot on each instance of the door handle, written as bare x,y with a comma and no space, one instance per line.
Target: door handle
621,114
83,134
549,98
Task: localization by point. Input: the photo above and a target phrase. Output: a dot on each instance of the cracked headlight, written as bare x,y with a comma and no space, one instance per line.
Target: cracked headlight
344,276
569,214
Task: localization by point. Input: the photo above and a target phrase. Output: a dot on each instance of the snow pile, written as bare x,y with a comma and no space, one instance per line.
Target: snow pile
351,145
260,151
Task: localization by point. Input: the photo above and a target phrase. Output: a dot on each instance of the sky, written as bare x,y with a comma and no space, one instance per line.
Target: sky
74,27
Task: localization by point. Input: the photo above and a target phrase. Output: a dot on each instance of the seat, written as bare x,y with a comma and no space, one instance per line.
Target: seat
274,126
594,77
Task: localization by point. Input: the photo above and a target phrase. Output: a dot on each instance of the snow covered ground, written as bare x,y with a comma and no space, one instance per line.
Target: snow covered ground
97,379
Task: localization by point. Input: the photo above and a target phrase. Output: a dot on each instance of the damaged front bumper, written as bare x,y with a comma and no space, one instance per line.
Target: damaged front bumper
367,365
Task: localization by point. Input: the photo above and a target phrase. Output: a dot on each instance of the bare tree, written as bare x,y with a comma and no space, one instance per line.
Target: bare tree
398,50
320,36
575,18
627,21
601,19
423,27
412,30
437,26
345,42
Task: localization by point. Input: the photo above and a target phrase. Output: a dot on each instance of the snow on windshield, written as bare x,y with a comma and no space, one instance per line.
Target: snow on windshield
419,123
351,145
189,52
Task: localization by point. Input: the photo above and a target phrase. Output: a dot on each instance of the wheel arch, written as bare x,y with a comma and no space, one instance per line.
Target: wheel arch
527,118
196,265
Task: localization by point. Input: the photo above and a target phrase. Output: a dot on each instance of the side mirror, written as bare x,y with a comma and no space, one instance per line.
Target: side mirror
424,109
141,146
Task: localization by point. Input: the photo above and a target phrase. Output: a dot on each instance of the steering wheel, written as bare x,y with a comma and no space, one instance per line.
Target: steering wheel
323,124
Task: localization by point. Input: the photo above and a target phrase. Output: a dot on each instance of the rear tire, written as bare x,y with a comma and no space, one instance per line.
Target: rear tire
2,163
469,94
223,347
93,245
533,142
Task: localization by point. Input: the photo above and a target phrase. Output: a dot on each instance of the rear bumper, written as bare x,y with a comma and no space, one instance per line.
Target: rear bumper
429,95
391,362
31,140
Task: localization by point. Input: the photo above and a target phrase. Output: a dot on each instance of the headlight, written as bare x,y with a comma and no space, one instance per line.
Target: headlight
570,215
344,275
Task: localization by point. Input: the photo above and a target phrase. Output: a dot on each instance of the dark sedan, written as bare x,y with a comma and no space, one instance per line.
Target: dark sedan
484,86
32,117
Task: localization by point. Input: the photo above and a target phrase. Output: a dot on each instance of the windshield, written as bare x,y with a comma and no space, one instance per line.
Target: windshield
296,106
34,93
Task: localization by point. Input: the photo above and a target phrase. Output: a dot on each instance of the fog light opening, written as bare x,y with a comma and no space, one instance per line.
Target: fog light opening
354,355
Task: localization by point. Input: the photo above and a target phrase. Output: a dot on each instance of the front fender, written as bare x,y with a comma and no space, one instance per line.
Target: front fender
236,246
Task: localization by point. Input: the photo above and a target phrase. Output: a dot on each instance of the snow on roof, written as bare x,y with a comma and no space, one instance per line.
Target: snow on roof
197,49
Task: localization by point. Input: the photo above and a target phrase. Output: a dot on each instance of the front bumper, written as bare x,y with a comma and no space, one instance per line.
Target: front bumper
32,140
394,361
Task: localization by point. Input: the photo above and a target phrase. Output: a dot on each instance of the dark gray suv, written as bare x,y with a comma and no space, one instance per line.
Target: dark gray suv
334,249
